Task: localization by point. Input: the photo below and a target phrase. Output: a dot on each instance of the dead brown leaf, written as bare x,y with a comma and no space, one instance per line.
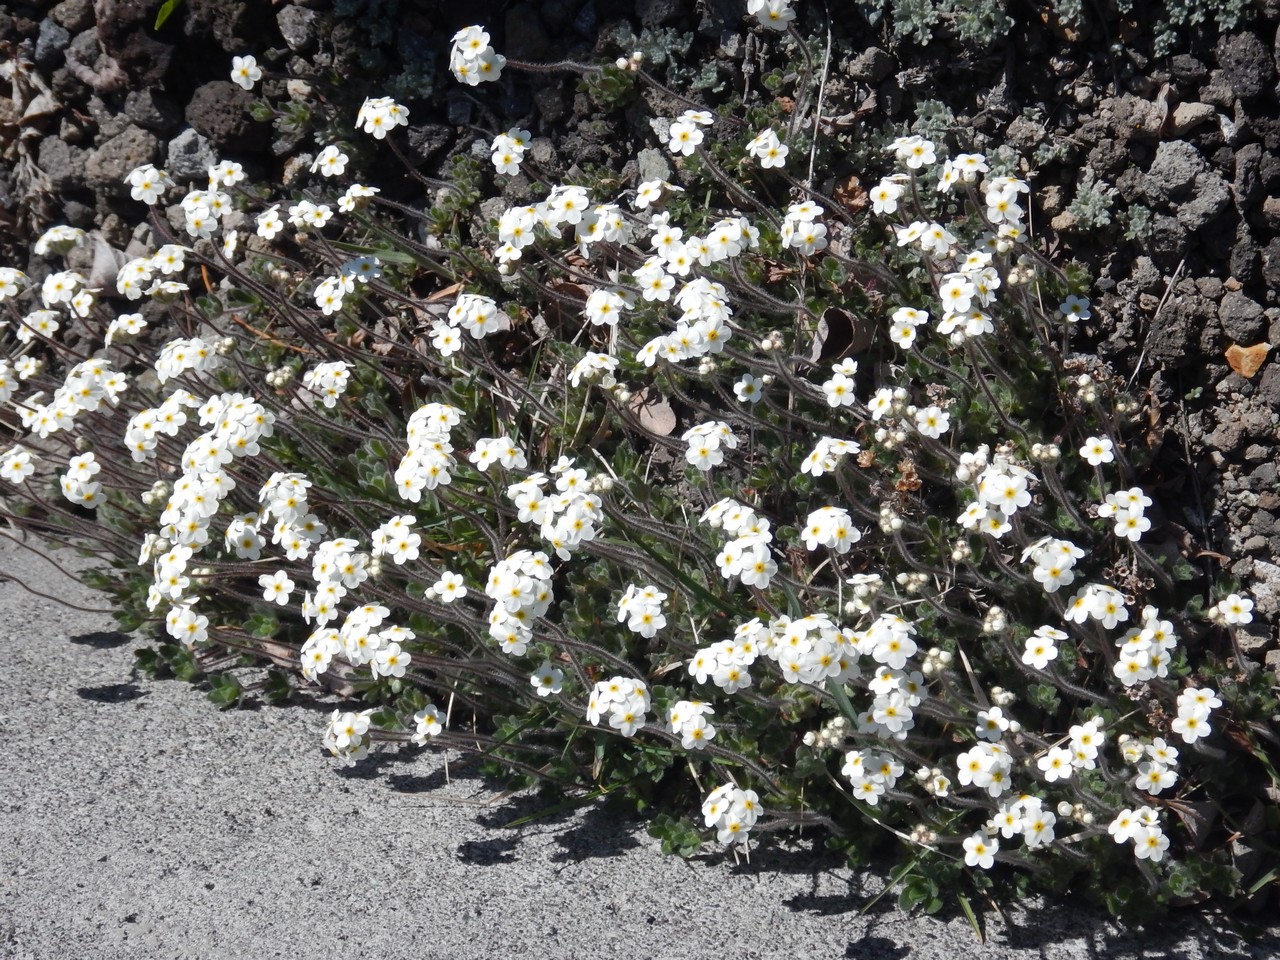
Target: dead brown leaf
851,195
654,413
445,293
1246,361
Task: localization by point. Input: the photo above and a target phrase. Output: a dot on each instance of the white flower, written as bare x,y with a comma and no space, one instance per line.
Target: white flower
1097,451
245,71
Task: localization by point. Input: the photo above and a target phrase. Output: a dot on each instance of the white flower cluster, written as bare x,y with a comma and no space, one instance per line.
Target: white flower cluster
1026,817
747,555
476,314
1002,488
472,60
67,287
903,325
773,14
507,150
58,240
830,527
77,482
204,209
396,539
826,455
347,735
148,183
1126,509
731,812
811,649
330,162
1145,652
685,132
1156,762
625,700
427,462
726,663
338,567
428,723
1041,647
1142,826
178,356
871,774
378,116
703,326
566,518
768,149
641,610
16,465
594,366
707,443
986,766
1081,753
1053,562
520,586
564,205
137,278
361,640
1194,706
327,382
801,229
840,388
86,388
1231,610
687,719
283,498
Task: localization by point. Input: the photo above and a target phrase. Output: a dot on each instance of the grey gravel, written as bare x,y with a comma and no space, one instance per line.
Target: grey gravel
140,821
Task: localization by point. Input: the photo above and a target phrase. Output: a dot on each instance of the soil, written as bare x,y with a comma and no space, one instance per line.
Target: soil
1187,309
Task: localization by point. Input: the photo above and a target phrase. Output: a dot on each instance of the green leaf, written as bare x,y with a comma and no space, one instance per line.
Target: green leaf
262,625
149,662
166,11
967,907
184,665
226,690
276,687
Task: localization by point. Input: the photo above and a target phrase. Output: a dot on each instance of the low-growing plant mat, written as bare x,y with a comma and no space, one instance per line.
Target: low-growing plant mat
140,821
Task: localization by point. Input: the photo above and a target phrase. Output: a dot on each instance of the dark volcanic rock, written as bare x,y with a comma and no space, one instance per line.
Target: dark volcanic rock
219,110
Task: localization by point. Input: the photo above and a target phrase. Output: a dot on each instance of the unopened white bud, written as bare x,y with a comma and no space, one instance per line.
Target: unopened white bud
1065,809
226,346
622,63
994,622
